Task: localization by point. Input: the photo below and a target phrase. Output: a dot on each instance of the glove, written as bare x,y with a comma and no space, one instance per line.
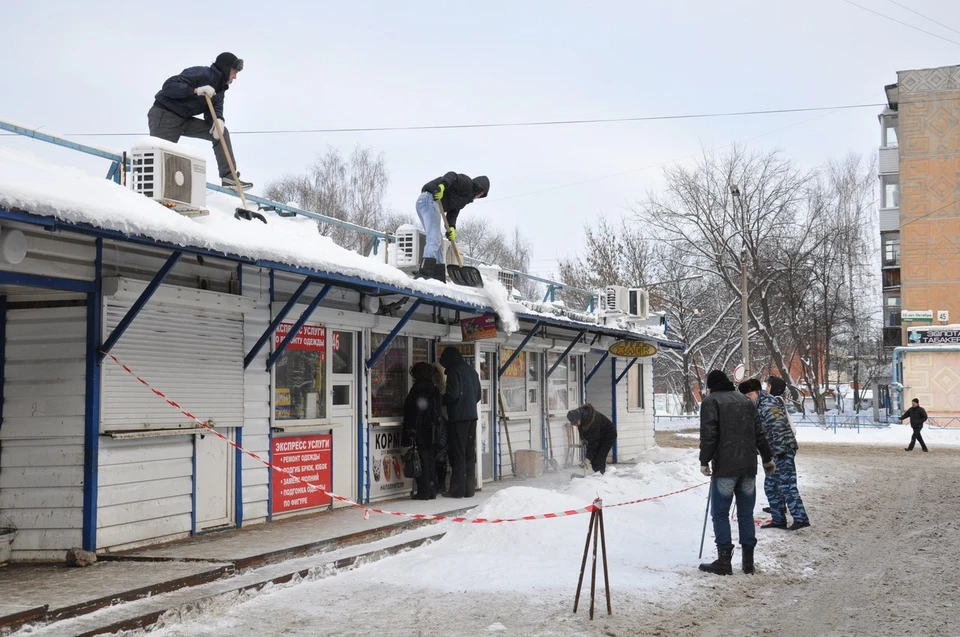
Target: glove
769,468
214,131
439,194
205,90
705,470
452,234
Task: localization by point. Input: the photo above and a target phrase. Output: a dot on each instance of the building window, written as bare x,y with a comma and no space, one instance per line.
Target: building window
342,352
388,378
893,301
301,379
891,248
890,191
533,379
635,395
889,135
558,384
513,383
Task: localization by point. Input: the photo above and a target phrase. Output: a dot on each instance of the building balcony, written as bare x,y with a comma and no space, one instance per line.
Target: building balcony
891,337
889,160
889,219
891,278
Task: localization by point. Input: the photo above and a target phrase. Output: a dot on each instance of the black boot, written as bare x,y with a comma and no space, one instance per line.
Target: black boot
746,554
427,267
440,272
720,566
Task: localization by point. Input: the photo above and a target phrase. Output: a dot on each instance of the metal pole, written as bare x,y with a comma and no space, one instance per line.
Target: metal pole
706,512
744,312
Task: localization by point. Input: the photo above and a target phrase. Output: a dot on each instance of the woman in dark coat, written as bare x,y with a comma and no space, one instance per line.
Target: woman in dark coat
421,414
597,431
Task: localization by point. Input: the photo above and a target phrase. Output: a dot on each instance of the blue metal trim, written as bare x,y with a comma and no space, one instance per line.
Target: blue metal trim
519,349
60,141
360,375
594,370
626,369
296,326
377,355
565,352
238,481
3,352
91,411
114,171
270,402
276,322
193,488
495,408
48,282
613,402
138,305
549,296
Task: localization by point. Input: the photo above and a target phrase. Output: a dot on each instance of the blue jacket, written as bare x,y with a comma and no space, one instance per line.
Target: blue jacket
178,97
776,422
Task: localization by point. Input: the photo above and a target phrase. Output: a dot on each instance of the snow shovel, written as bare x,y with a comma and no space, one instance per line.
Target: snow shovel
460,274
239,213
551,461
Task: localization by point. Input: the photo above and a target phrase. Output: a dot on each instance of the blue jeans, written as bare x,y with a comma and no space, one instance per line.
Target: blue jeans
429,214
722,491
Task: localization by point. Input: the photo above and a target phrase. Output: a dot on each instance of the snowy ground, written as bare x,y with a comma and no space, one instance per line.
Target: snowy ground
892,435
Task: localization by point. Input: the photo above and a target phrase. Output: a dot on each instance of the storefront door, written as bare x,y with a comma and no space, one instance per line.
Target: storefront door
485,412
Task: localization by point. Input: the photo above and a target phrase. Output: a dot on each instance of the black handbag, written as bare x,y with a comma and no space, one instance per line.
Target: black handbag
411,463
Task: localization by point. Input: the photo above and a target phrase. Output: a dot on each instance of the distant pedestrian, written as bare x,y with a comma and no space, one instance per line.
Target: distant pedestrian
781,487
731,435
917,416
597,431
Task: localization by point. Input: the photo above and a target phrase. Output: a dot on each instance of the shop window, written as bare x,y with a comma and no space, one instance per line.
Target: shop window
341,395
342,352
558,384
513,383
388,378
636,379
574,368
300,377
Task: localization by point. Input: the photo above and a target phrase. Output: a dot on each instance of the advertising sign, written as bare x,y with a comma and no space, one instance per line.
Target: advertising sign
632,349
478,328
308,457
933,336
916,315
310,337
386,465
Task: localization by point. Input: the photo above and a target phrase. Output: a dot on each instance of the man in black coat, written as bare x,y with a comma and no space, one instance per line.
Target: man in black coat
421,418
597,431
731,434
461,397
452,191
182,98
917,416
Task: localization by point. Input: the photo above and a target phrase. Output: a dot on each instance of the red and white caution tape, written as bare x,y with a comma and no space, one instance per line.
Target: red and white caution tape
597,503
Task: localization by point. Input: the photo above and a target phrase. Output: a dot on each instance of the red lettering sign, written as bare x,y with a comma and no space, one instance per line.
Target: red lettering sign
310,458
310,337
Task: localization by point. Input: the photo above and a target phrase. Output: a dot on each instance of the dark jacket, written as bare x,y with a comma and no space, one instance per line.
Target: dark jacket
595,428
458,191
178,97
776,422
731,433
421,413
463,387
917,416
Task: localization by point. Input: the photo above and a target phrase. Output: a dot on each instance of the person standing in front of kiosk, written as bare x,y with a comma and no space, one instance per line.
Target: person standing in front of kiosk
461,397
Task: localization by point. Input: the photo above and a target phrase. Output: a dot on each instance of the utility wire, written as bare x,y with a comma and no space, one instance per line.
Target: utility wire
906,24
903,6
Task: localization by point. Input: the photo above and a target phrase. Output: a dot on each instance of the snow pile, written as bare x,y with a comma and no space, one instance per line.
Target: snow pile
647,543
34,185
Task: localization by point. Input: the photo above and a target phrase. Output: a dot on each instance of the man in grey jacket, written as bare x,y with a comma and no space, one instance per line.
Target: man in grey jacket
731,435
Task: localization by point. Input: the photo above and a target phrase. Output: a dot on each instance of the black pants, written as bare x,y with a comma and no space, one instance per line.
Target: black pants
427,482
917,438
462,451
170,126
597,453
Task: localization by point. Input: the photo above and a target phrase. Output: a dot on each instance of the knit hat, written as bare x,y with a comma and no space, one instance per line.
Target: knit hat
573,415
716,378
749,385
777,386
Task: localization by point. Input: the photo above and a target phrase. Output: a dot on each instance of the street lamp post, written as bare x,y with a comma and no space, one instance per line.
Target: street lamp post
744,298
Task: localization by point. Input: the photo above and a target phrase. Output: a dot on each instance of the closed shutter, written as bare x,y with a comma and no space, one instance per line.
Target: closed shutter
194,356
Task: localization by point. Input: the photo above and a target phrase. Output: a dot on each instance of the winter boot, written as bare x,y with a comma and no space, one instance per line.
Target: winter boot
440,272
746,554
427,267
720,566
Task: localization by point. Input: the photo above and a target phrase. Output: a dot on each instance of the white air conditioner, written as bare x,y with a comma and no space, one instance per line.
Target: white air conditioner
178,180
615,300
409,249
638,303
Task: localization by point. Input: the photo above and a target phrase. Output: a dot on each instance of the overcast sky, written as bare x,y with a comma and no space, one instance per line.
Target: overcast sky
92,66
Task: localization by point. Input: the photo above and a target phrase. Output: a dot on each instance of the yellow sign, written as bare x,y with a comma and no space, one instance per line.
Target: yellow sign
632,349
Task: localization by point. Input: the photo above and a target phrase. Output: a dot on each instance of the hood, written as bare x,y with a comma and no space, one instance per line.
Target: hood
777,385
587,415
481,183
451,356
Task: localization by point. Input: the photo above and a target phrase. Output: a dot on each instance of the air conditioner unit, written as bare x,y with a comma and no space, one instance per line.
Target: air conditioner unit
638,302
409,250
178,180
615,300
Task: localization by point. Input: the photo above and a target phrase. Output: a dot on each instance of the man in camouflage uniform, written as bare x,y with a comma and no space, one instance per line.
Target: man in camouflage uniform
781,487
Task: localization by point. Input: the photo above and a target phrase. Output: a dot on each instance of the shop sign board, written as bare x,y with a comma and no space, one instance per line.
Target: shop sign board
310,337
632,349
478,327
933,336
386,464
310,458
917,315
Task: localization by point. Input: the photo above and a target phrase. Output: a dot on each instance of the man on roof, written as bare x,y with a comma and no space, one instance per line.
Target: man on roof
182,98
451,192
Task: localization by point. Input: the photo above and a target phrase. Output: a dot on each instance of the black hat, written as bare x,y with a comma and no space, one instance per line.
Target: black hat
716,378
422,371
226,61
573,415
777,386
749,385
